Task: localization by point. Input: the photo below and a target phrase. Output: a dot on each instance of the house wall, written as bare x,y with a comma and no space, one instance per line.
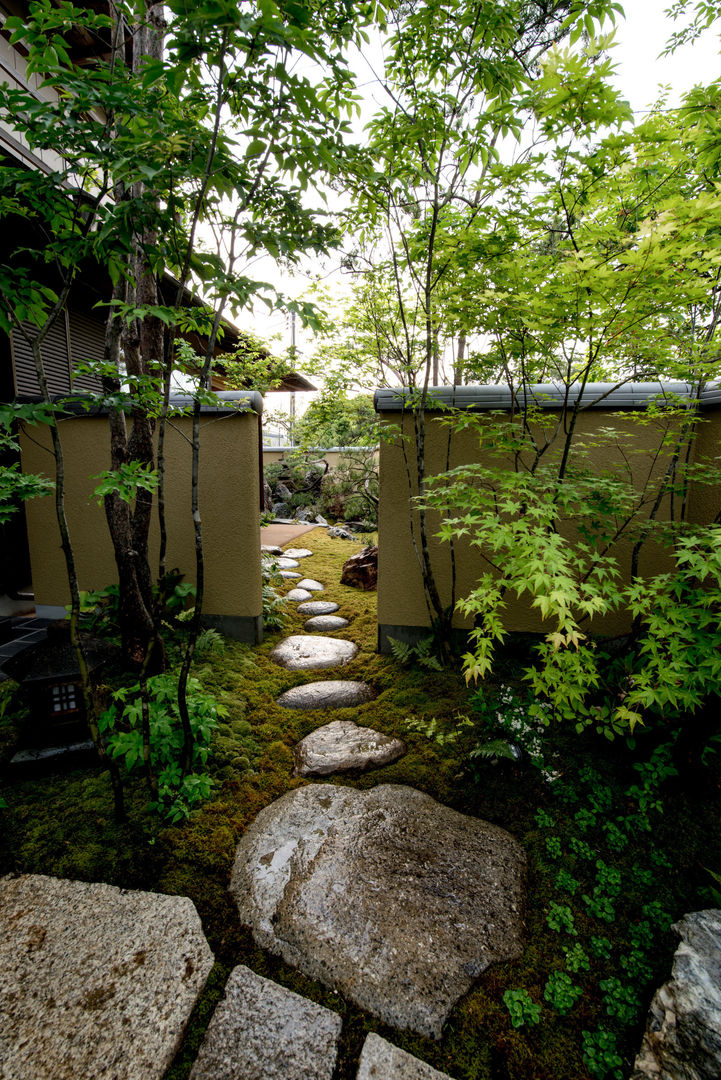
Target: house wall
402,610
229,511
333,456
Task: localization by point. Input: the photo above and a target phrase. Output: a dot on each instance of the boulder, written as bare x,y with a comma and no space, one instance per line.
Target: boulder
283,492
683,1031
342,746
304,513
280,510
381,1060
261,1031
329,694
95,981
305,653
361,570
384,895
320,520
340,534
267,496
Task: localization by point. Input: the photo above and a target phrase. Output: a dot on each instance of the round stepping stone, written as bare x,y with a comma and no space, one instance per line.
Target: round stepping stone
341,746
289,574
287,564
318,607
304,653
271,549
325,624
296,595
392,899
311,585
329,694
297,553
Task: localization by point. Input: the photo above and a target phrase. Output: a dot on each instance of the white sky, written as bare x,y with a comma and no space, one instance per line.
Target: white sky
640,72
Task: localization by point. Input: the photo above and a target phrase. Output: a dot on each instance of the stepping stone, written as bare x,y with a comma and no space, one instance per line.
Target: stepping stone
325,623
261,1031
341,746
271,549
318,607
388,897
381,1060
289,574
95,981
297,553
311,585
296,595
331,694
301,653
286,564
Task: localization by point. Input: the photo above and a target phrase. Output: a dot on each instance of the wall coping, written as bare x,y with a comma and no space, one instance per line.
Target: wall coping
229,403
318,449
544,396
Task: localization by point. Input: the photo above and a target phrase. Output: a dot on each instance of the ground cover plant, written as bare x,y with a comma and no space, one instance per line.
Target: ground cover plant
618,842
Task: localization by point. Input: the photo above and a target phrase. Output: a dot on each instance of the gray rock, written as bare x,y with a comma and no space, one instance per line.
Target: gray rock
285,563
311,585
301,653
280,510
298,553
384,895
320,520
297,595
325,623
683,1031
318,607
289,575
303,513
95,981
342,746
381,1060
340,534
261,1031
271,549
330,694
283,492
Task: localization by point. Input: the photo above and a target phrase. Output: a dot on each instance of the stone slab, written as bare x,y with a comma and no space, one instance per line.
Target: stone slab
343,746
381,1060
271,549
297,595
329,694
95,982
301,652
311,585
318,607
384,895
325,624
683,1031
261,1031
287,564
289,575
298,553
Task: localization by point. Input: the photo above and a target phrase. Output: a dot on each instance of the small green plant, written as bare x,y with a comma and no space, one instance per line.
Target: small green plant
275,615
553,847
565,882
600,1055
616,838
560,918
576,958
560,992
620,1000
585,819
523,1009
422,653
544,820
599,906
600,947
581,848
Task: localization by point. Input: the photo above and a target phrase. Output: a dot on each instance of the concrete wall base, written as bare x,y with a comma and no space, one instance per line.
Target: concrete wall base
248,628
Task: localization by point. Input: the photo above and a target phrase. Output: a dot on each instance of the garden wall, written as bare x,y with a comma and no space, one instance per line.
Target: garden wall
229,507
402,610
335,454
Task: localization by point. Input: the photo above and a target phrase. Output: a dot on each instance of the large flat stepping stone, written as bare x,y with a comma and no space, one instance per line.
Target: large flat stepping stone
341,746
325,624
271,549
95,981
381,1060
287,564
318,607
311,585
261,1031
330,694
297,553
297,595
386,896
304,653
289,574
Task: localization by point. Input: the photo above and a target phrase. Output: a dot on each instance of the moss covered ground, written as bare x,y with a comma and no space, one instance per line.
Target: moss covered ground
608,870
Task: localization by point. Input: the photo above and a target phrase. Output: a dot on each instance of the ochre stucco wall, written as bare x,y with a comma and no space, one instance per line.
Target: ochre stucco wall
229,510
401,600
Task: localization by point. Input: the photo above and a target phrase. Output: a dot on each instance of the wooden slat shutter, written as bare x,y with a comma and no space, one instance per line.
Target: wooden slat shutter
87,342
55,360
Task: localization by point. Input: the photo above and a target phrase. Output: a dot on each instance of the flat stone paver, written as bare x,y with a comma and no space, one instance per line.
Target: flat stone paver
307,653
325,624
342,746
385,895
297,595
381,1060
298,553
96,983
318,607
261,1031
287,564
289,574
271,549
311,585
328,694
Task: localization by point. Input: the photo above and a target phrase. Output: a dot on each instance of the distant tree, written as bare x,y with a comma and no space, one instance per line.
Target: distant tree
334,420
